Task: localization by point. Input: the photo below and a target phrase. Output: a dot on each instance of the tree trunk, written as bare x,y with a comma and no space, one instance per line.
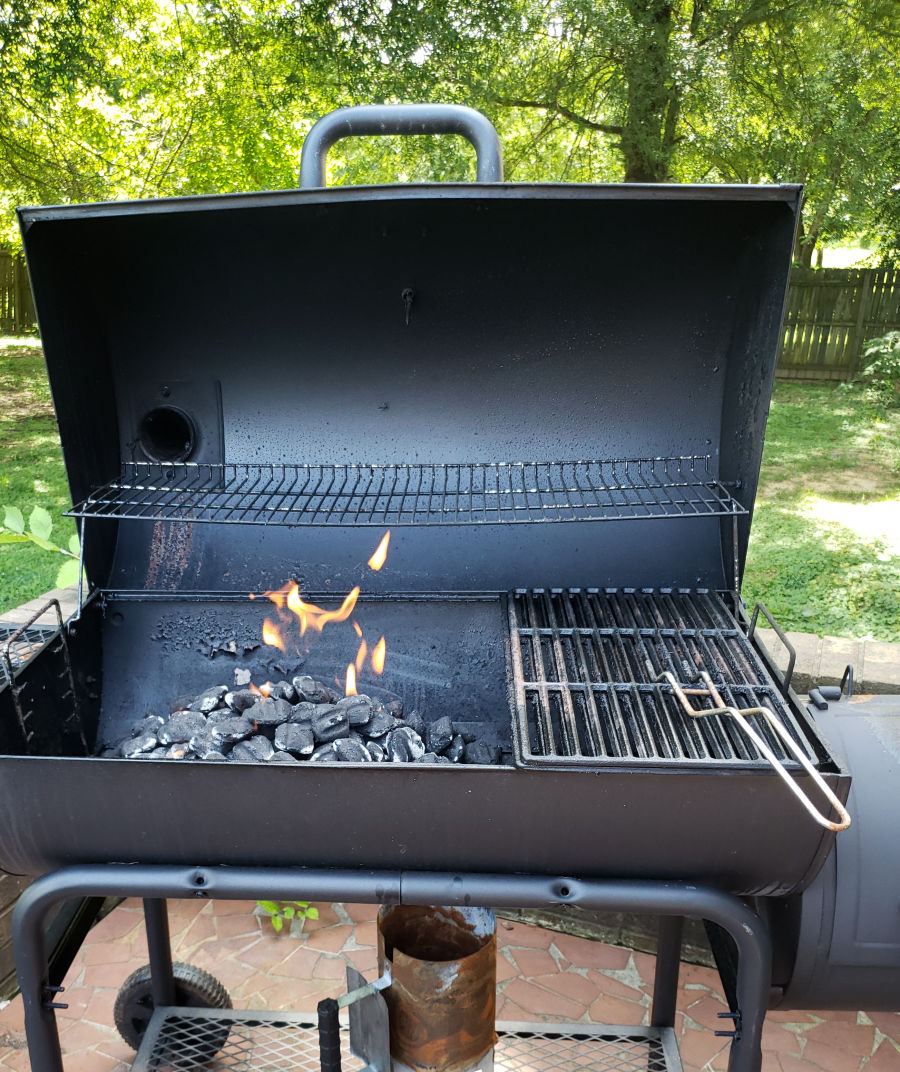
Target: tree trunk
652,96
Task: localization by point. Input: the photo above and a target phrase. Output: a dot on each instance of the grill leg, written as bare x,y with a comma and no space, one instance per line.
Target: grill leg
665,980
159,949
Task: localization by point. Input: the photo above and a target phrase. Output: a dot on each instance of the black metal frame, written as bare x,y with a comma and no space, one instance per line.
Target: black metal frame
671,901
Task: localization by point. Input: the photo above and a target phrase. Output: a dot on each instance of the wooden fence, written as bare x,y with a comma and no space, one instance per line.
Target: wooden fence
830,314
16,306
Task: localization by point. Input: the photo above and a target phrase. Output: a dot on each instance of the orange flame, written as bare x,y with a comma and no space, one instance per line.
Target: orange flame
357,629
361,656
350,686
378,558
378,656
271,635
263,690
311,616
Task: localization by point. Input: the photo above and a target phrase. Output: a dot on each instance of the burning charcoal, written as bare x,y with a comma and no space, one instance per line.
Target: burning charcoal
457,749
253,750
182,703
439,734
181,750
181,727
230,730
395,708
241,699
349,751
379,724
294,738
221,714
283,690
283,757
431,757
303,712
480,752
416,723
324,754
330,726
269,712
150,724
357,708
203,742
157,753
404,745
467,735
138,745
209,700
314,691
376,751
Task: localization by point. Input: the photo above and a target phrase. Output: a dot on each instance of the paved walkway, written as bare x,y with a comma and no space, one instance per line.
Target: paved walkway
542,975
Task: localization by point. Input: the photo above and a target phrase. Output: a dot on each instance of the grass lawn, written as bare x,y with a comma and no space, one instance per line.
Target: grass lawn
825,545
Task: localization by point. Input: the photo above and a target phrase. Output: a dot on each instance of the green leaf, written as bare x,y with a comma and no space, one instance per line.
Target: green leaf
312,913
75,545
47,545
13,537
277,922
40,523
289,912
13,519
269,906
68,574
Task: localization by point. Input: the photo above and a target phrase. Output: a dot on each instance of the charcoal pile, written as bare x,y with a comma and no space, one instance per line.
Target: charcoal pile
299,721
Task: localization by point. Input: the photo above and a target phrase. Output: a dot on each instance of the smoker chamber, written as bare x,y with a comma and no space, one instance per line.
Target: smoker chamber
553,396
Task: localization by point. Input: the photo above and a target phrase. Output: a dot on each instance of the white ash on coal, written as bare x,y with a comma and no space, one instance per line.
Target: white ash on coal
298,721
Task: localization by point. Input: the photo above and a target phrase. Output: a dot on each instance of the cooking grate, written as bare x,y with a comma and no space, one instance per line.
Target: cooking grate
178,1040
491,493
585,667
28,643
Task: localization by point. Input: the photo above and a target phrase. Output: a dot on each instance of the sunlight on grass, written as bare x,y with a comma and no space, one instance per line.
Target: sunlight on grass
15,342
868,521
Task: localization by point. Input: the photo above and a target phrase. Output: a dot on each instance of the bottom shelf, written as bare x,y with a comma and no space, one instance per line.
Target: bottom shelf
222,1040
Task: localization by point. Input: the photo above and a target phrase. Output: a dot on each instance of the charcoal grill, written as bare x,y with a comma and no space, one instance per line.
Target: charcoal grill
255,386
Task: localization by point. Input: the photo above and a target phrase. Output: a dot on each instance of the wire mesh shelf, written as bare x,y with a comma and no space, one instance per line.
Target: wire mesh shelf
436,494
181,1039
27,644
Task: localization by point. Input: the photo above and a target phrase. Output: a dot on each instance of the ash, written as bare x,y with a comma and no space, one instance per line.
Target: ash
300,721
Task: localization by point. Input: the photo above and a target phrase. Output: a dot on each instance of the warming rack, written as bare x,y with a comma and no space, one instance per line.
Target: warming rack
21,647
401,494
586,664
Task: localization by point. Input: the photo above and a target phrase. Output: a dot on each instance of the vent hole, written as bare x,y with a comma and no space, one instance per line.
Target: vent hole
167,435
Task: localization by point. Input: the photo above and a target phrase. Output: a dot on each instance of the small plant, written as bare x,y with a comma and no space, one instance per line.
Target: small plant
881,375
287,911
40,525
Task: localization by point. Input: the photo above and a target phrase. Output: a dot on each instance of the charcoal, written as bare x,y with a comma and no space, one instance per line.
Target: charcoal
212,755
269,712
358,710
324,754
114,752
241,699
136,746
379,724
483,753
349,751
147,725
303,712
456,749
293,738
404,745
283,690
330,726
416,723
439,734
181,727
221,714
314,691
253,750
431,757
395,708
376,751
467,735
209,700
230,730
182,703
179,750
242,676
203,742
283,757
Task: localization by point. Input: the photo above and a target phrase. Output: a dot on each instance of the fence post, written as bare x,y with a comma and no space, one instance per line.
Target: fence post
855,343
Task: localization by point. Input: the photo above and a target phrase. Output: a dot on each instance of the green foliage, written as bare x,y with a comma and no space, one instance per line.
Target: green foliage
40,526
281,912
881,375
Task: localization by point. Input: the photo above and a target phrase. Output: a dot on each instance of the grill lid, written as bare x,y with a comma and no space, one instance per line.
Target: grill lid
416,356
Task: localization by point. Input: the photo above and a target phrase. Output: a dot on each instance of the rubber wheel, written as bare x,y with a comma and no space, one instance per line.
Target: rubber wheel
194,988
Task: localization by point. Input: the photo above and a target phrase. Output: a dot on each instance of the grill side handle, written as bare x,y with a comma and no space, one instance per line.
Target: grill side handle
779,632
379,119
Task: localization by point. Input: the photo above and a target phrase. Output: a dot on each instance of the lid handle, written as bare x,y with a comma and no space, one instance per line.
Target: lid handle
377,119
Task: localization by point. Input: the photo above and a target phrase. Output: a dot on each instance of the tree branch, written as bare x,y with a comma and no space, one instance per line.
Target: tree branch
566,113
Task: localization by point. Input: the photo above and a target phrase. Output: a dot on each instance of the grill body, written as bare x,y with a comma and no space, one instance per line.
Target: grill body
501,375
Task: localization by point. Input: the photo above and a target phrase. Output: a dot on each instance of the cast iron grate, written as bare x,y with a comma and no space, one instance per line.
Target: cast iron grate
179,1040
29,643
585,667
493,493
